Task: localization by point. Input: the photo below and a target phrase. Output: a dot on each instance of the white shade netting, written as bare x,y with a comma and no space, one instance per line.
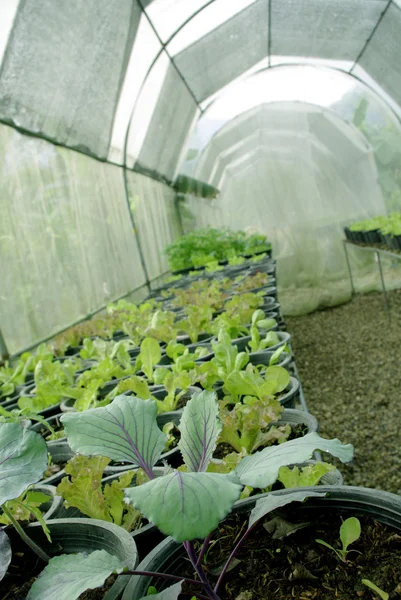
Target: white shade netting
297,173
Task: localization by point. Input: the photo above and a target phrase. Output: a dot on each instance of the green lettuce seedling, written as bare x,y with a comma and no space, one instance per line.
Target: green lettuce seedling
350,532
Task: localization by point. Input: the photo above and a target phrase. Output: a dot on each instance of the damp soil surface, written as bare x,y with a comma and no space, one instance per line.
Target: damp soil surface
349,363
276,564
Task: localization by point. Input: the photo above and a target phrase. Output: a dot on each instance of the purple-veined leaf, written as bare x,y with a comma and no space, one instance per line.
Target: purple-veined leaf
261,469
186,505
124,431
271,502
23,460
5,553
200,427
66,577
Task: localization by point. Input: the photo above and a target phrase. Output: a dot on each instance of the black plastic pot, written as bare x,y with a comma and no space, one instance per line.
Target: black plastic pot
242,343
396,242
146,537
290,394
186,340
170,557
53,421
263,358
83,535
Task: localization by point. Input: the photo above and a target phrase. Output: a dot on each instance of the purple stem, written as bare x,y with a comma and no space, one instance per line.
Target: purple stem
189,547
165,575
233,553
204,548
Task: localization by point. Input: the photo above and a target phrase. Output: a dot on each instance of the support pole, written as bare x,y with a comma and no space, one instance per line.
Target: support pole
349,268
386,300
4,354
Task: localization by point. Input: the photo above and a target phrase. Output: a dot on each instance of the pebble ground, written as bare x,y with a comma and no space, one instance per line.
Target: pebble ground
349,362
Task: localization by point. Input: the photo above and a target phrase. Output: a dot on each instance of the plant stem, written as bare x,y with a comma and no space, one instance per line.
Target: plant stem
189,547
204,548
42,555
233,553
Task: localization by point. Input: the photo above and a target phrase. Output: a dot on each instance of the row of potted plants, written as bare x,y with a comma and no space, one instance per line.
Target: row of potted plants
202,247
383,230
230,440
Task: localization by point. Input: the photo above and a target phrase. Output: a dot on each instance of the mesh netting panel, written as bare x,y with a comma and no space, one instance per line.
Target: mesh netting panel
226,52
64,66
335,29
66,243
308,174
156,219
169,126
381,58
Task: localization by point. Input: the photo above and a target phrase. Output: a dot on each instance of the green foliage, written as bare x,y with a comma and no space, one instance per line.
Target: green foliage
149,356
202,246
245,426
350,532
23,460
309,475
383,595
103,502
66,577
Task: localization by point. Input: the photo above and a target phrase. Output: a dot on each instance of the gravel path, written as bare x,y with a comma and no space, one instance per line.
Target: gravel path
349,362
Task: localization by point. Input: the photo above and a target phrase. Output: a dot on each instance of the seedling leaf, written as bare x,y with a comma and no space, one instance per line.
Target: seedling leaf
23,460
186,505
350,531
269,503
124,431
383,595
5,553
200,428
261,469
66,577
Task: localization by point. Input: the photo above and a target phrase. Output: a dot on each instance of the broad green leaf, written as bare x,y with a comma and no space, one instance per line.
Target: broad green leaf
186,505
350,531
125,431
23,460
261,469
266,323
66,577
279,375
150,355
200,428
257,316
5,553
271,502
276,355
170,593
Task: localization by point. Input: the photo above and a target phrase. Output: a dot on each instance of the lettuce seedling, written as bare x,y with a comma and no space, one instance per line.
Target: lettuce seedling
103,502
350,532
189,505
149,356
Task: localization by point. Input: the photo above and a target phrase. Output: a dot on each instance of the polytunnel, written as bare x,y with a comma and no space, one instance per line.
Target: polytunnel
99,105
200,299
